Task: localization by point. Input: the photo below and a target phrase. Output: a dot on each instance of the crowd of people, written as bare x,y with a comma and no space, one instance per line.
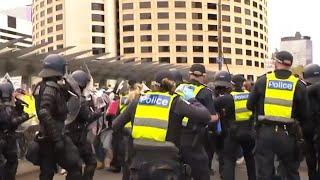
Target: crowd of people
170,129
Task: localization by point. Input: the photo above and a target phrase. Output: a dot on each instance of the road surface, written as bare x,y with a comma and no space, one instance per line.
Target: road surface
28,172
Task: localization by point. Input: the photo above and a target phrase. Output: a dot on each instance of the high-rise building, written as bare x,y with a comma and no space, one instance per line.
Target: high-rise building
168,31
186,32
15,28
300,47
86,24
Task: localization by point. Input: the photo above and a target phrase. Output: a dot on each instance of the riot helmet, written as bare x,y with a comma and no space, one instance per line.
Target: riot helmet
311,73
222,79
54,65
81,77
6,89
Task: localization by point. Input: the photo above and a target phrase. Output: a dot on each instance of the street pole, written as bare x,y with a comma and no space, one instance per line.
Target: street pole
220,55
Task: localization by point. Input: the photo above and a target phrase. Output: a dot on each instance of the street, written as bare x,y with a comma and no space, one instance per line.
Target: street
104,175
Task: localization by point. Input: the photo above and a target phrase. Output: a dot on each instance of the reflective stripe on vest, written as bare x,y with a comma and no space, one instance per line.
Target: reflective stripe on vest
152,116
123,103
196,89
279,98
240,105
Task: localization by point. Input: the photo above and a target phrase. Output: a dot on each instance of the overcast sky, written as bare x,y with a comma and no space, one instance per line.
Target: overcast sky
285,18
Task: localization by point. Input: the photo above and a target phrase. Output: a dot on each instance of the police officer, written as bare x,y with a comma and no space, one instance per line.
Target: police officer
311,76
280,101
196,153
51,96
156,119
77,130
238,122
11,116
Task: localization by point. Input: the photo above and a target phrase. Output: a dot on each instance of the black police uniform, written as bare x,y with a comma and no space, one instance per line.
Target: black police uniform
179,109
11,116
77,131
195,153
272,140
239,134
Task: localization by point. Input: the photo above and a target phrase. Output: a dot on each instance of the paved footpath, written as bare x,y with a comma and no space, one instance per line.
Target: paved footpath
27,171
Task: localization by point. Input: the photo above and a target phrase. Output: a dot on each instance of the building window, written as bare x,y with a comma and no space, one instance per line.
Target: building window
145,15
213,49
162,4
146,60
197,27
50,39
226,39
180,15
247,2
182,60
212,27
197,48
43,32
128,28
128,50
198,60
146,38
227,50
145,27
181,48
146,49
212,6
247,12
212,60
250,77
59,27
238,51
248,52
238,41
97,17
49,20
98,51
225,7
164,48
196,5
163,38
238,30
248,32
262,65
58,17
144,5
256,44
164,59
127,17
50,30
256,54
49,1
227,60
196,15
237,9
226,28
97,28
197,38
163,26
238,20
50,49
97,6
127,39
248,42
58,7
127,6
255,4
181,26
41,4
180,4
256,64
256,34
98,40
12,22
248,22
163,15
225,18
181,37
213,38
59,37
49,10
60,46
41,13
212,16
239,62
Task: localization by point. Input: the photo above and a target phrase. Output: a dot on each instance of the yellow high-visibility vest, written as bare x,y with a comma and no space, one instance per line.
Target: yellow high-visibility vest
279,98
196,89
123,103
240,105
152,116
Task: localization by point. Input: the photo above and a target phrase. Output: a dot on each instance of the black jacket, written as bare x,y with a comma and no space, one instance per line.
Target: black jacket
11,118
300,102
